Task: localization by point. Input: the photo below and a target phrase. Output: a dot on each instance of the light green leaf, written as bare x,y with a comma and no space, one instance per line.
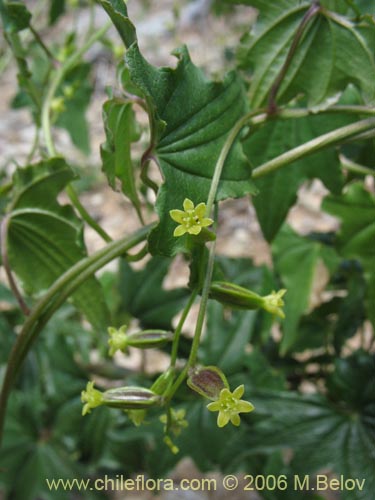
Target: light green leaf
45,238
73,119
121,131
190,120
296,259
318,70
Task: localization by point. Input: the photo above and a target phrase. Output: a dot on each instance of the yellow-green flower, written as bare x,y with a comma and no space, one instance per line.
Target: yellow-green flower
91,397
274,302
191,220
117,339
177,421
229,405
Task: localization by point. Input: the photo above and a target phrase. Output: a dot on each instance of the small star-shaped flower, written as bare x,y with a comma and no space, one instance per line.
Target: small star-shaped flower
191,220
229,405
91,397
273,303
117,339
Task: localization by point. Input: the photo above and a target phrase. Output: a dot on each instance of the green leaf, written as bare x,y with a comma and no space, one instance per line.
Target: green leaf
281,186
45,238
321,436
57,8
296,259
15,16
225,340
117,11
76,91
355,240
121,131
318,70
353,382
190,120
144,297
262,374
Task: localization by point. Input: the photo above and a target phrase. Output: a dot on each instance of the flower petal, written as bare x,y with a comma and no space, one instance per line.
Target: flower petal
244,407
214,406
195,229
206,222
235,419
225,393
238,392
222,419
179,231
200,210
177,215
188,204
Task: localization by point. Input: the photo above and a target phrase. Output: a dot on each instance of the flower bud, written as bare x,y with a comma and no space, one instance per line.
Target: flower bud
208,381
130,398
120,340
238,297
146,339
235,296
163,382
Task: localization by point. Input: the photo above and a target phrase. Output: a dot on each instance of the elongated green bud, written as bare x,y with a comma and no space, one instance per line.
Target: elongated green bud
130,398
163,382
119,340
235,296
146,339
125,398
238,297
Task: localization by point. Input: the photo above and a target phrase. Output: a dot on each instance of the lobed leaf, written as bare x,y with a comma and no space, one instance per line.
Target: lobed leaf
190,120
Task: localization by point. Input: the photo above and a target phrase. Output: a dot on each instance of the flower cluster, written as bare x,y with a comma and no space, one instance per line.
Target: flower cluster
210,382
191,220
230,405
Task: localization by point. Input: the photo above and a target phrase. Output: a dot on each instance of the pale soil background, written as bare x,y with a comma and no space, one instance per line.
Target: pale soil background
159,33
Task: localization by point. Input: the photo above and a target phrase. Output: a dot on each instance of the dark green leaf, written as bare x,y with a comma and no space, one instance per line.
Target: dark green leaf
225,340
317,70
57,8
45,238
261,374
117,11
14,15
321,436
356,209
76,91
191,118
121,131
144,297
281,186
296,260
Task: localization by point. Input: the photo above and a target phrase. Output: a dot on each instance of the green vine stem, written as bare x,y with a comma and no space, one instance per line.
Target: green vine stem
330,139
46,122
352,166
310,14
53,299
180,325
